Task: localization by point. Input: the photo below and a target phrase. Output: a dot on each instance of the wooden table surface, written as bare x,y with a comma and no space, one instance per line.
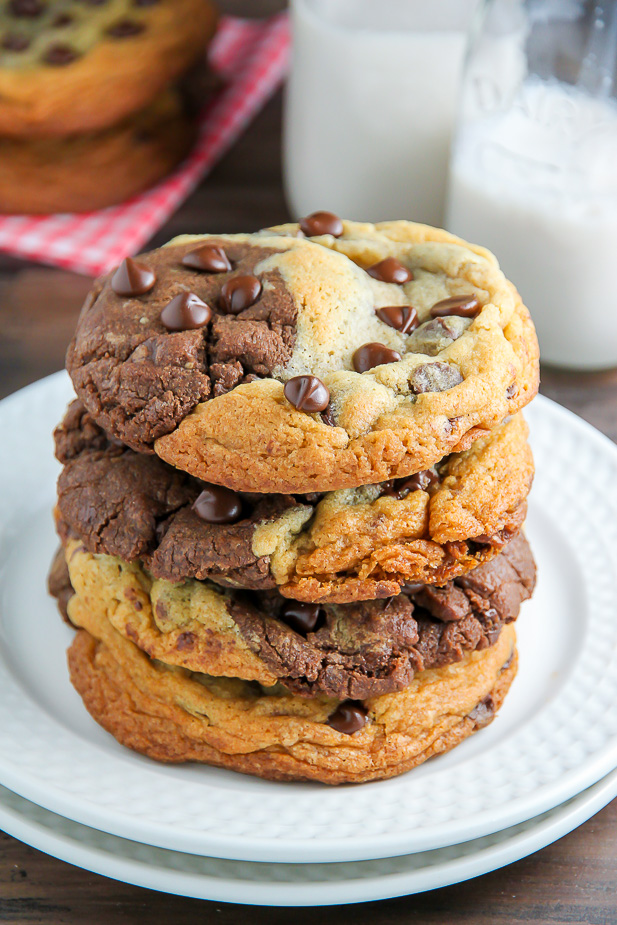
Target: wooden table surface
572,881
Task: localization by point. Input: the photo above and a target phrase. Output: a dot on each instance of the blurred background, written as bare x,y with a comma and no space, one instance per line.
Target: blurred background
493,118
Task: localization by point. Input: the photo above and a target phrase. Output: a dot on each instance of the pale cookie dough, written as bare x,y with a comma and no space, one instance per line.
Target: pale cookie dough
173,715
210,400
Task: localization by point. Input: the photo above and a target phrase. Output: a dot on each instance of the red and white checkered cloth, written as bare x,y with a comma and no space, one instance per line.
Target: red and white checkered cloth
252,58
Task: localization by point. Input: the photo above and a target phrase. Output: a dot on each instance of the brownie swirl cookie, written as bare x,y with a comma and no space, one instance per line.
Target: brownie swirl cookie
358,650
72,66
79,173
273,363
345,545
173,715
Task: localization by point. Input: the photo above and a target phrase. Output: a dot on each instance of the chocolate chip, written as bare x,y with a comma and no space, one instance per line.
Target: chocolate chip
466,306
434,377
327,417
307,393
62,19
186,640
390,270
420,481
371,355
303,618
403,318
511,391
349,717
218,505
132,278
59,55
186,312
27,9
14,42
145,2
434,336
240,292
125,28
484,713
318,223
209,257
412,587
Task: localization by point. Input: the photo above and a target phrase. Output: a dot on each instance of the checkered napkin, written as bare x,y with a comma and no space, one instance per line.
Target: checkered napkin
251,56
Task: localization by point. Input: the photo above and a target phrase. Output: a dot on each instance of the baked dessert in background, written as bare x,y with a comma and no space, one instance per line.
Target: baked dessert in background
71,67
340,546
292,498
306,371
81,173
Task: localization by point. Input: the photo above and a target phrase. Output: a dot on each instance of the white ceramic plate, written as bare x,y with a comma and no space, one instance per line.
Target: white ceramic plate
292,884
555,736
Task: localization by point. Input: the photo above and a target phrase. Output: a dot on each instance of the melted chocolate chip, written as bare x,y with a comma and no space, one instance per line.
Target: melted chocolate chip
145,2
484,713
125,28
26,9
318,223
466,306
420,481
132,278
186,640
62,19
240,292
349,717
307,393
371,355
186,312
209,258
327,417
59,55
390,270
412,587
403,318
218,505
303,618
434,377
14,42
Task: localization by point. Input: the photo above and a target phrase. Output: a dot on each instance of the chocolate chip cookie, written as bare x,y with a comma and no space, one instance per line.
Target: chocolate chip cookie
275,363
173,715
352,544
72,66
358,650
94,170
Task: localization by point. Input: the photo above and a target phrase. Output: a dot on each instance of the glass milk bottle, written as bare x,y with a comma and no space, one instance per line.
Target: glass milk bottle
370,106
534,166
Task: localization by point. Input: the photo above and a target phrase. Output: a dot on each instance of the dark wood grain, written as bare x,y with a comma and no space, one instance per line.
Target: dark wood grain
573,881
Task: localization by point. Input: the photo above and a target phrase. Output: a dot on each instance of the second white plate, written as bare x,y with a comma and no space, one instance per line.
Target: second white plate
556,735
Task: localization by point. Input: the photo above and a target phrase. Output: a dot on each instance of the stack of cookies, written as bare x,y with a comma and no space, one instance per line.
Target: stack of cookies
97,97
293,490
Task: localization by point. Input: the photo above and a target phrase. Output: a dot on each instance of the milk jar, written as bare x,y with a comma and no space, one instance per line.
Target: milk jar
534,167
370,106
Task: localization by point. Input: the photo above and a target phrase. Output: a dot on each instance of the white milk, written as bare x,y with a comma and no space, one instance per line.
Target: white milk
538,186
370,106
